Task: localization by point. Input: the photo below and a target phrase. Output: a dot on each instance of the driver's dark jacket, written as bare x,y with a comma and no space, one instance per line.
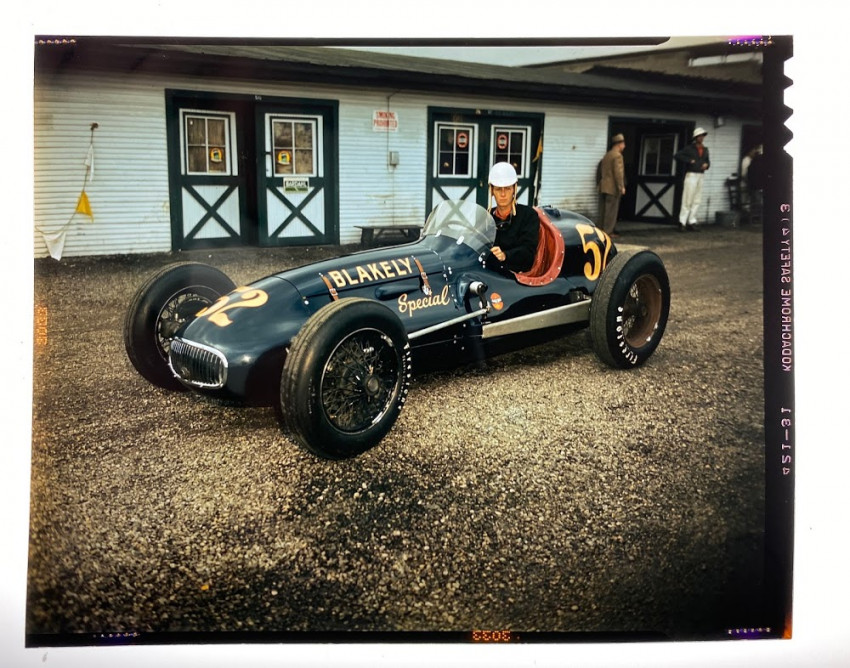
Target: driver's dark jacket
517,237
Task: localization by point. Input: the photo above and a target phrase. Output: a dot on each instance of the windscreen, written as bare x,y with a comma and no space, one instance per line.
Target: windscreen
464,221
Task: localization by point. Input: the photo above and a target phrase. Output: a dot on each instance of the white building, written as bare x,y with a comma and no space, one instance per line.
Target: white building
192,145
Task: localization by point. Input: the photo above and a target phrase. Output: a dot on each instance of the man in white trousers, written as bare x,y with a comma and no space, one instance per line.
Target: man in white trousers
694,157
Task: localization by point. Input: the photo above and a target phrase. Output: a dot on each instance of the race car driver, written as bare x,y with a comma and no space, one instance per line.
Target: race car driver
517,225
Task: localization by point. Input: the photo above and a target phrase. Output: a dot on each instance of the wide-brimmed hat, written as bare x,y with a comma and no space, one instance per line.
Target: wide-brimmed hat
698,132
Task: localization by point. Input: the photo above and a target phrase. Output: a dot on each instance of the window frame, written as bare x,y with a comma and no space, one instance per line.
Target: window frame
231,148
472,169
316,122
644,153
525,153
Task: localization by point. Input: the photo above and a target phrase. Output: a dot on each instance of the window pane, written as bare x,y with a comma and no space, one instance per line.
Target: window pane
304,162
462,164
216,132
446,163
447,140
282,134
665,158
665,163
304,135
197,158
516,160
283,162
218,159
196,131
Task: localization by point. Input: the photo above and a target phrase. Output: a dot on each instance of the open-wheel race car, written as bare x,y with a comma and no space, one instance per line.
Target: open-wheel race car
332,345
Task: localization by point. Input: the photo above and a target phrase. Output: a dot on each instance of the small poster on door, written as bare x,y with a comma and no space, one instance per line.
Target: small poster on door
296,184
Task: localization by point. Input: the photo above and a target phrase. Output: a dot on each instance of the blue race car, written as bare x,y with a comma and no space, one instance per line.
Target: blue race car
333,344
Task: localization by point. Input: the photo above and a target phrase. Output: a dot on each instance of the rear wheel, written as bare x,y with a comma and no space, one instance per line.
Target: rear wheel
629,310
345,379
162,305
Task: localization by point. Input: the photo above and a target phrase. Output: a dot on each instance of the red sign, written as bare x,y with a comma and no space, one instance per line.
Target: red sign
502,142
462,140
384,121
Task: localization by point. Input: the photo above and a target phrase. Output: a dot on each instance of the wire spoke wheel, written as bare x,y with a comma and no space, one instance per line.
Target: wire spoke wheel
169,299
360,380
178,310
344,382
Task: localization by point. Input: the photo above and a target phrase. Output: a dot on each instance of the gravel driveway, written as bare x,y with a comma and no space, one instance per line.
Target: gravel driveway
541,492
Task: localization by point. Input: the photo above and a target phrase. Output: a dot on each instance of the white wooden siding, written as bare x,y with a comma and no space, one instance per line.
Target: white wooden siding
129,193
129,189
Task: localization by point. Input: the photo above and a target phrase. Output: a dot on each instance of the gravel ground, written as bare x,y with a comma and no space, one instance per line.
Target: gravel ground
540,492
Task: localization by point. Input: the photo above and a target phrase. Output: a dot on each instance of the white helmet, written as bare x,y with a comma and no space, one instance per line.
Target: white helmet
502,174
698,132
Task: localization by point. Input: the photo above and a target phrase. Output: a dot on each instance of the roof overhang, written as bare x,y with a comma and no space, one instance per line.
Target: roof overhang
283,62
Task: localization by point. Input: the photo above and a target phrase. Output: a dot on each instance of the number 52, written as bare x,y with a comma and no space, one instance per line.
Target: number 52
589,244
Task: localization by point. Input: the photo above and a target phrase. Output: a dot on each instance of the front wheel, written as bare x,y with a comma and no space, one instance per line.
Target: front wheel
164,303
345,379
629,310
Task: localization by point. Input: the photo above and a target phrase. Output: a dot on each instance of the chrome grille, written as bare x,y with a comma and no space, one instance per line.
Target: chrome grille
197,365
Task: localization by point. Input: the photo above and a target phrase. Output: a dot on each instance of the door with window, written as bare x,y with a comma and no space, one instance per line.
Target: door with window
464,145
297,174
207,180
653,189
251,171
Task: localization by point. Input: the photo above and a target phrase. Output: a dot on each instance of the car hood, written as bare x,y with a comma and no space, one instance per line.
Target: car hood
366,273
250,319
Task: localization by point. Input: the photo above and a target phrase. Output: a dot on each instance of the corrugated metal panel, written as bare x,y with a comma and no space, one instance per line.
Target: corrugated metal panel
574,140
371,191
128,188
129,192
724,151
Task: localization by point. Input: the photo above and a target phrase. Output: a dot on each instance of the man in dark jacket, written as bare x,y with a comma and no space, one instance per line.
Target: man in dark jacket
517,225
694,157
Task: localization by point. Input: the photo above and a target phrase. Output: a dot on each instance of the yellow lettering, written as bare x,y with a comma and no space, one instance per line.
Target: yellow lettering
350,280
376,273
362,274
387,270
598,261
408,306
337,278
406,262
241,297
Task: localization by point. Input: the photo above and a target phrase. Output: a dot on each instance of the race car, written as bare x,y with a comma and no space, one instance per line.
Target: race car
333,344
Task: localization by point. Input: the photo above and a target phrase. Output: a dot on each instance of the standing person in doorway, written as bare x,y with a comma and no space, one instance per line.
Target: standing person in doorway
695,159
612,183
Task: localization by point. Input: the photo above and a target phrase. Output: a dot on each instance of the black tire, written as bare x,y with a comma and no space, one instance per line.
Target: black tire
167,300
345,379
629,310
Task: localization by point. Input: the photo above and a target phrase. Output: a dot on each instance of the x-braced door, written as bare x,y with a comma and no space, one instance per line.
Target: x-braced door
464,145
297,174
